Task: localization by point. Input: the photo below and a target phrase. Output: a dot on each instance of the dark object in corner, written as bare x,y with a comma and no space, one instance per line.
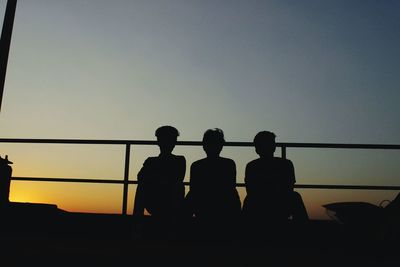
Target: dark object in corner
380,221
353,212
34,209
5,180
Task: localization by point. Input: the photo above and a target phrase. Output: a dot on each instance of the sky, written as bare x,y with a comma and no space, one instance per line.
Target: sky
308,70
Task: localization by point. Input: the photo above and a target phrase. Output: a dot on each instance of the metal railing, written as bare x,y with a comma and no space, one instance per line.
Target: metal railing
129,143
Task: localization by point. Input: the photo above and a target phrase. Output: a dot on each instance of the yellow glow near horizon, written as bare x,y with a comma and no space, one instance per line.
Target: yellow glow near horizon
70,196
95,198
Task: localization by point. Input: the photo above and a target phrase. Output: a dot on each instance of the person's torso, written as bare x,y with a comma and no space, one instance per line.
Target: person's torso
270,176
213,181
166,171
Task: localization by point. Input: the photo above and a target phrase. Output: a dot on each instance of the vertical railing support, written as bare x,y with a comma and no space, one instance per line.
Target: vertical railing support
5,41
126,180
283,148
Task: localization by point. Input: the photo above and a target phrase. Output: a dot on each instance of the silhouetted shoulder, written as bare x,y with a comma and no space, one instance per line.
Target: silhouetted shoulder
227,161
149,161
220,161
229,164
179,158
283,162
172,166
253,163
154,160
274,168
199,162
271,161
287,165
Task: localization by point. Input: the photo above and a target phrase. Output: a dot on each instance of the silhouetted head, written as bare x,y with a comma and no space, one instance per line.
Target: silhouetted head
166,138
213,141
265,145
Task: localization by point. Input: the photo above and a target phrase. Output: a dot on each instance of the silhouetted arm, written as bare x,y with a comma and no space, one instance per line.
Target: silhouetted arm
182,169
292,177
139,206
192,196
233,174
193,179
249,182
138,209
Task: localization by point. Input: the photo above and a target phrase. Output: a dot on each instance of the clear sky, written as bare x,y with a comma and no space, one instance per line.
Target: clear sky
311,71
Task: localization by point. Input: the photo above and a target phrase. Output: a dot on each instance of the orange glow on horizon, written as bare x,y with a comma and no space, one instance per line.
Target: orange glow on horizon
94,198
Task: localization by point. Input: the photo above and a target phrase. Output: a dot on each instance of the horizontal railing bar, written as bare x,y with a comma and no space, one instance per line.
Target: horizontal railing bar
327,186
106,181
77,141
71,180
354,187
339,145
196,143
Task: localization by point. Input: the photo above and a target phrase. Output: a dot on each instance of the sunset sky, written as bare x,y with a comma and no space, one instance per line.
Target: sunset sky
308,70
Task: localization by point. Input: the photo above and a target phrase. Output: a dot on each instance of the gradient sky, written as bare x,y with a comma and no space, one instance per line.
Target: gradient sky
311,71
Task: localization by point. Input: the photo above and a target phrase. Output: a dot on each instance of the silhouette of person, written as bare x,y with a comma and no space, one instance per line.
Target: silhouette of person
213,197
160,188
269,182
5,181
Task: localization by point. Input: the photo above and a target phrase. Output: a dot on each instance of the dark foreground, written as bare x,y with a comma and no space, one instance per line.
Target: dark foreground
42,235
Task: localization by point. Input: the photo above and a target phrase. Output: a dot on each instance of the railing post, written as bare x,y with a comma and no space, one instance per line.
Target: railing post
283,148
5,42
126,180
